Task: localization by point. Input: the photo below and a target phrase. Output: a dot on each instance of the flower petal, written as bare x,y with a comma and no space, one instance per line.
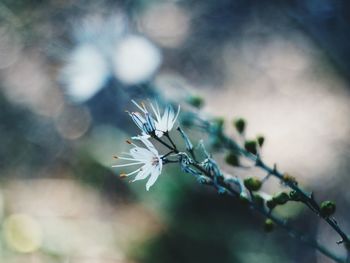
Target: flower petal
154,176
143,109
144,173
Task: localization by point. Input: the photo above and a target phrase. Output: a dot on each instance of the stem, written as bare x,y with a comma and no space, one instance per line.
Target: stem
309,199
165,144
278,221
166,134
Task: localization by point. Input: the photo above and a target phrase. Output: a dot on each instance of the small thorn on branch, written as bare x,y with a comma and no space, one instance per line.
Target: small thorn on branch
340,241
275,168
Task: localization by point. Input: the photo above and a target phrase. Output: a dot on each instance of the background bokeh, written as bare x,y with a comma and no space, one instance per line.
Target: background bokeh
68,70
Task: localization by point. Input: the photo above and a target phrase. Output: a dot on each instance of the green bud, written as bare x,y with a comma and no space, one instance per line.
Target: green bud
240,125
271,204
269,225
232,159
257,199
289,178
244,199
252,183
327,208
294,196
250,146
281,198
196,101
260,139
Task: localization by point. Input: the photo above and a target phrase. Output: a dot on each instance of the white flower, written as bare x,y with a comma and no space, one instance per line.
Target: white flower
160,124
149,159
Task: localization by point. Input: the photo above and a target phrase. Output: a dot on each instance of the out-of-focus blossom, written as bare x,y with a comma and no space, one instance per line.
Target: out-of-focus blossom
135,60
148,157
105,49
86,72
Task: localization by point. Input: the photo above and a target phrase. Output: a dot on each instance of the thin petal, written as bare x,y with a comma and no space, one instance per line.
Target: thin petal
177,115
156,111
170,118
134,172
154,176
141,154
126,164
149,145
138,119
143,174
144,110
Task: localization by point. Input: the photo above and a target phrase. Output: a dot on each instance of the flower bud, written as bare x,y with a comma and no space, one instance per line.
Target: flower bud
240,125
260,139
257,199
232,159
196,101
243,199
269,225
281,198
289,178
252,183
294,196
250,146
327,208
271,204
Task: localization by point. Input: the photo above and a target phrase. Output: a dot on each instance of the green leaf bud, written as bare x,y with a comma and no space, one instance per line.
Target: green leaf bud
232,159
252,183
260,139
195,101
257,199
289,178
244,199
327,208
250,146
271,204
269,225
281,198
294,196
240,125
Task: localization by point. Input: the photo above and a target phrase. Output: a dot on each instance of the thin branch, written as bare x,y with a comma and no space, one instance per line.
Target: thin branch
308,198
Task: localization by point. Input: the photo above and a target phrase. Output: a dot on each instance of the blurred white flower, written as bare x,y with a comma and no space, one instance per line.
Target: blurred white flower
86,72
105,49
158,125
135,59
149,159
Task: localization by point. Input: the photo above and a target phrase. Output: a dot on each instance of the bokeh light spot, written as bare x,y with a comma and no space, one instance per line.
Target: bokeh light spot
135,60
22,233
86,73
